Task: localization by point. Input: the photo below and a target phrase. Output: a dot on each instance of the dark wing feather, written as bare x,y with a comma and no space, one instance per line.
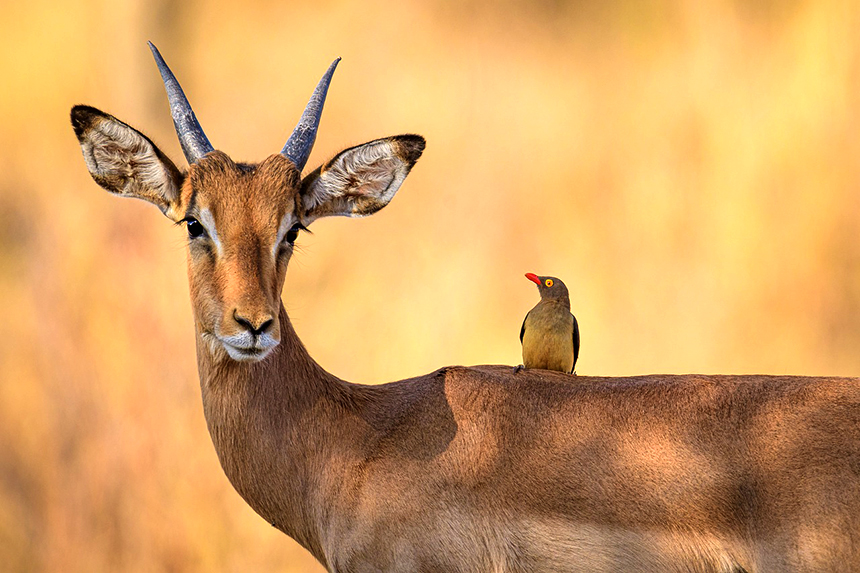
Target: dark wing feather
575,343
523,327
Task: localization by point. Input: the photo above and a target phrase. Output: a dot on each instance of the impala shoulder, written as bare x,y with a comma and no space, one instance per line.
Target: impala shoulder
475,388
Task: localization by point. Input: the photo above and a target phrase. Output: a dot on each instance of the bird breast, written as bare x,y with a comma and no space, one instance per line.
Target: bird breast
548,338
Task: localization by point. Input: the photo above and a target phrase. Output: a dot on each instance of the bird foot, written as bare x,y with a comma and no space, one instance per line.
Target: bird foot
518,368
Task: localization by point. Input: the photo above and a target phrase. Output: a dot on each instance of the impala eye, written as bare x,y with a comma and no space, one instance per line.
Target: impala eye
195,229
293,233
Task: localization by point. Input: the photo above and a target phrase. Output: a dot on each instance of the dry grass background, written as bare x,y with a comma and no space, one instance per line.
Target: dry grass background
690,169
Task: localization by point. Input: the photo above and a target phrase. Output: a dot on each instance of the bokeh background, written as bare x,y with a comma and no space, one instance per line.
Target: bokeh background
691,170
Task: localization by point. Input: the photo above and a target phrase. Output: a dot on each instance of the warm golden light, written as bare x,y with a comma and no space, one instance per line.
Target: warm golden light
690,170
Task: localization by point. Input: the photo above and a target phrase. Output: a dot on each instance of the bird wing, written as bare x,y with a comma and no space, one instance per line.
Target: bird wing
523,327
575,342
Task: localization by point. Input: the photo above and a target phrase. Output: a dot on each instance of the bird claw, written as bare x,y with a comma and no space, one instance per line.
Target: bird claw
518,368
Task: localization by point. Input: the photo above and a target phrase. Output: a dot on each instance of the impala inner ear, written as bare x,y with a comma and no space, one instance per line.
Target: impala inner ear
360,180
126,162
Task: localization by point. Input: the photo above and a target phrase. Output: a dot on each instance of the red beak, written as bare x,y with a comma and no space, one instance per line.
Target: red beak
534,278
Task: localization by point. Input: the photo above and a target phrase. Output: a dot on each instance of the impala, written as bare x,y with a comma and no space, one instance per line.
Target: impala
472,468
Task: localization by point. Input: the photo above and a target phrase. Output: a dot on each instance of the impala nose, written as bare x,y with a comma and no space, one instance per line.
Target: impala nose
255,327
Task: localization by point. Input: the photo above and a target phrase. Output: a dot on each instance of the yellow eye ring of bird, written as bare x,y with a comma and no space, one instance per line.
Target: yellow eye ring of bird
548,282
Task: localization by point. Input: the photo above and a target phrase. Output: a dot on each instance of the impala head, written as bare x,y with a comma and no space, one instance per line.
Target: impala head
242,219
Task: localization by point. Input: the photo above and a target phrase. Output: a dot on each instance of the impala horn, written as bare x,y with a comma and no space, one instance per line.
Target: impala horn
191,137
301,141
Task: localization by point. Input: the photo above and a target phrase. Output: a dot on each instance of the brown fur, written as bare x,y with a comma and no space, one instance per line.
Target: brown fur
480,469
467,469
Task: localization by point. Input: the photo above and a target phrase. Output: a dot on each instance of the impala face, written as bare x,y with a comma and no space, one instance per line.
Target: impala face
242,219
242,222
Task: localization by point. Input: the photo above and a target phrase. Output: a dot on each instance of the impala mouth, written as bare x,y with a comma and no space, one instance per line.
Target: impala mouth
252,354
253,350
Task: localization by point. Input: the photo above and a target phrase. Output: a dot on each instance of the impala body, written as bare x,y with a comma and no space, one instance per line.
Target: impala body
472,469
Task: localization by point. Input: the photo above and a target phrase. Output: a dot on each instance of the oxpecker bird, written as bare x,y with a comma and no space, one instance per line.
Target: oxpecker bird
550,333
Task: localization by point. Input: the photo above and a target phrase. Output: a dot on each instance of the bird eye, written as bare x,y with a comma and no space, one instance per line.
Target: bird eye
293,233
548,282
195,229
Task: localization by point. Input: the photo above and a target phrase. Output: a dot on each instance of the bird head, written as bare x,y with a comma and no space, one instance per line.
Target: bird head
549,287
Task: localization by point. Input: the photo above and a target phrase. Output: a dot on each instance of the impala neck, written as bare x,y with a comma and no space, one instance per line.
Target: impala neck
275,426
288,370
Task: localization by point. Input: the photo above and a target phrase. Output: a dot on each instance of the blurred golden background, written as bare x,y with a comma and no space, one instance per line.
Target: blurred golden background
690,169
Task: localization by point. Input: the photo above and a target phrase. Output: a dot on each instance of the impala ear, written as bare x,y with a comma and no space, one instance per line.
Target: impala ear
126,162
360,180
